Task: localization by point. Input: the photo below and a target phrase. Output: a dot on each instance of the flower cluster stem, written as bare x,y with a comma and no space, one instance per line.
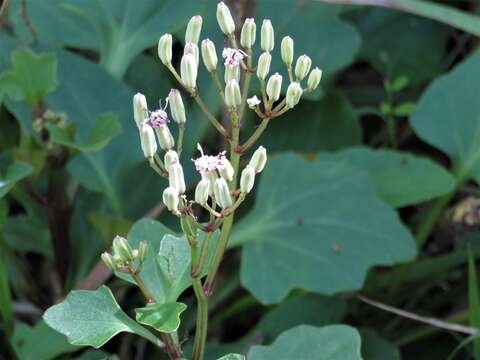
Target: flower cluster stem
202,320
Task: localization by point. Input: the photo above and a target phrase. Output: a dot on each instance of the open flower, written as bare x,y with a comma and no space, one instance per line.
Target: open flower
208,163
253,102
233,57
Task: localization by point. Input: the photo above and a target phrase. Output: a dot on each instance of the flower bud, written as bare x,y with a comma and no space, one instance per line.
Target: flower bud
148,141
314,78
142,251
165,138
209,55
135,253
140,108
222,193
212,177
263,66
294,93
224,19
227,172
194,27
259,159
191,48
171,157
165,49
108,261
177,109
267,37
233,98
188,70
176,178
202,191
302,67
253,102
287,50
247,179
274,87
122,248
247,37
232,73
170,199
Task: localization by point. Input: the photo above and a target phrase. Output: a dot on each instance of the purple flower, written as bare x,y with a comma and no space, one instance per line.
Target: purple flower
158,118
233,57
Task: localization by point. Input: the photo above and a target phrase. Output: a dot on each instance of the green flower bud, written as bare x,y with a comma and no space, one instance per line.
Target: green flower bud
302,67
259,159
165,49
232,73
287,50
263,66
227,172
122,248
202,191
247,37
224,19
165,137
274,87
267,37
176,178
247,179
177,109
140,108
222,193
170,199
171,157
148,141
314,78
191,48
294,93
108,261
188,70
233,98
142,251
194,27
209,55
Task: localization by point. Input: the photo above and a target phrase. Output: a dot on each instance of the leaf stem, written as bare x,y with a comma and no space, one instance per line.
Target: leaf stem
256,135
202,320
218,84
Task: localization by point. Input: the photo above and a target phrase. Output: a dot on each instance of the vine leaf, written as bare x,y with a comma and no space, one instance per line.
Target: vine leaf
162,317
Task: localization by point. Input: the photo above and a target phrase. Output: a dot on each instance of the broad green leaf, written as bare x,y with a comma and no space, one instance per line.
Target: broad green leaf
232,357
15,172
400,178
39,342
92,318
318,226
162,317
109,226
448,117
375,347
6,308
105,128
334,342
473,300
32,76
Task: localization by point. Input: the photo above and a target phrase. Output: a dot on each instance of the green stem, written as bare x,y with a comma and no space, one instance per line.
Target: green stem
391,129
218,84
202,261
181,133
246,84
256,135
202,320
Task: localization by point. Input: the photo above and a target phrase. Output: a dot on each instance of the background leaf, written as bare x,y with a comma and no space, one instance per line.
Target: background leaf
14,173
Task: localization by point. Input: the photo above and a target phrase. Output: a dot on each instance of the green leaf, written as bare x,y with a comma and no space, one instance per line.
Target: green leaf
109,226
375,347
232,357
15,172
335,342
473,300
448,117
6,308
317,226
162,317
105,128
404,109
31,77
92,318
39,342
400,178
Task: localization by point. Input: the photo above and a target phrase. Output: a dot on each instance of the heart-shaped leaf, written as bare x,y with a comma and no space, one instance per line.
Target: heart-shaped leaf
15,172
162,317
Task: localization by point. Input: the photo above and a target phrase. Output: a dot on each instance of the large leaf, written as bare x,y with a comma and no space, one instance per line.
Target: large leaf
162,317
318,226
92,318
334,342
448,117
375,347
399,178
14,173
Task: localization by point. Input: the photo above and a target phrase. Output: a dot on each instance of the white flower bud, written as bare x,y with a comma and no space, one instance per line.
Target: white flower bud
165,138
165,49
274,87
212,177
177,109
259,159
302,67
194,27
253,102
140,108
232,73
171,157
192,48
142,251
224,19
233,98
108,260
209,55
175,177
267,37
314,78
227,172
247,179
222,193
122,248
263,66
294,93
170,199
247,37
202,191
135,253
188,70
287,50
148,141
